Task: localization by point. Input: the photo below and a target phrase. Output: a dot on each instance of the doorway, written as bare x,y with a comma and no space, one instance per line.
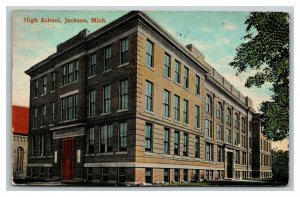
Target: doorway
68,158
229,164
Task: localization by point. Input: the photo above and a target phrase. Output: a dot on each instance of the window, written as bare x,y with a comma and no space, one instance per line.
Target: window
177,108
244,126
44,111
185,111
124,94
42,145
177,71
197,85
219,111
124,51
167,141
90,140
107,58
186,175
52,112
219,132
122,173
50,148
220,153
237,156
92,68
92,102
148,137
123,136
209,152
68,76
105,174
228,117
35,88
208,104
208,129
149,96
185,144
148,175
69,107
167,68
35,114
177,175
70,72
244,141
166,175
197,147
37,145
167,103
228,136
186,78
44,85
149,54
106,138
176,143
244,158
236,121
53,77
107,99
235,138
20,159
197,116
76,70
64,78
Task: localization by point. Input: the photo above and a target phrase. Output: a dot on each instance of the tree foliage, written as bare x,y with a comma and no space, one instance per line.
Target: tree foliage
280,165
266,50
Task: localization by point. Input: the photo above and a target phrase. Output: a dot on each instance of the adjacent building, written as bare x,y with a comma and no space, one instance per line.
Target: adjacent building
129,103
20,125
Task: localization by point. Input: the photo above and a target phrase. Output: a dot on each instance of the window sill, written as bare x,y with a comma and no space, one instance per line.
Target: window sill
176,121
151,68
122,110
184,124
121,153
41,127
65,85
149,153
34,98
167,118
168,156
107,153
149,112
91,117
168,78
177,157
44,94
106,114
186,89
41,156
198,128
177,83
66,121
124,64
106,71
90,154
93,76
185,158
52,91
197,159
51,125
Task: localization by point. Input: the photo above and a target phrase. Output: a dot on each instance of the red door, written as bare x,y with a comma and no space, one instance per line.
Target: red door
68,158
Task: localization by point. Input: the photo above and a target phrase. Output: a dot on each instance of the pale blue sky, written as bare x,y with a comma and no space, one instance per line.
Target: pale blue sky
215,34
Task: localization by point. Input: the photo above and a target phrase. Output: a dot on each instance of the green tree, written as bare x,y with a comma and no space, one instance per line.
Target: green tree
266,50
280,165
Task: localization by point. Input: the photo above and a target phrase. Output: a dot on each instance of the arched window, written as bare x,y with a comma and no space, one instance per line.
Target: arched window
208,104
219,111
228,117
20,159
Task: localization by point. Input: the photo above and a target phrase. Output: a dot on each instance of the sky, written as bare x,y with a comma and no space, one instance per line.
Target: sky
215,34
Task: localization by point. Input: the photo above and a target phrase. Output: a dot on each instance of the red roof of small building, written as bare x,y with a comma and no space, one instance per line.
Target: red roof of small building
20,120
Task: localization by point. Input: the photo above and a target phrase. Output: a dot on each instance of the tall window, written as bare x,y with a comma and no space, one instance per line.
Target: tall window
185,144
219,132
92,70
92,102
67,73
208,129
177,108
166,175
197,116
186,77
35,88
148,175
208,104
44,111
209,152
52,112
219,111
53,77
35,114
167,141
236,135
228,117
64,73
107,58
107,99
149,54
244,158
220,153
90,140
123,136
69,107
124,94
197,147
167,103
148,137
177,71
235,138
76,70
167,68
149,96
176,143
237,157
177,175
70,73
42,145
185,111
124,51
20,159
106,138
44,85
197,85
